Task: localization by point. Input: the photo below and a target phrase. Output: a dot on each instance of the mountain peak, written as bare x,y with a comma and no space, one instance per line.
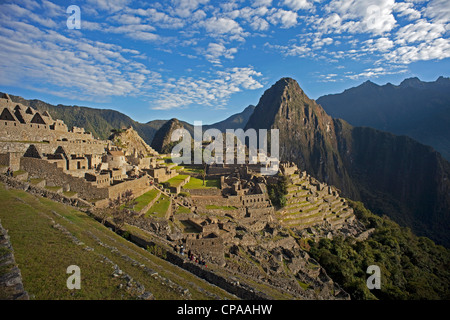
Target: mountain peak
162,140
368,83
288,83
411,82
283,102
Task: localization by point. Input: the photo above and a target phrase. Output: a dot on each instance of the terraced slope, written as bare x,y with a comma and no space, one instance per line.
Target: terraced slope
311,203
47,237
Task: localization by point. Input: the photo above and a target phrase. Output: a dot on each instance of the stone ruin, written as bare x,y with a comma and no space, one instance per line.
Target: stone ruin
72,159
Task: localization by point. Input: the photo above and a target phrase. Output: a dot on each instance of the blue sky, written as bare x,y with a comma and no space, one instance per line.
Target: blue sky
206,60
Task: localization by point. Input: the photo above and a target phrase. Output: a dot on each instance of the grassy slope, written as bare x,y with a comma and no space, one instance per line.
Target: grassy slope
43,253
160,207
145,199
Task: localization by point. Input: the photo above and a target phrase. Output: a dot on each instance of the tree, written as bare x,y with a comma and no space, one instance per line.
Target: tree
103,214
203,173
278,191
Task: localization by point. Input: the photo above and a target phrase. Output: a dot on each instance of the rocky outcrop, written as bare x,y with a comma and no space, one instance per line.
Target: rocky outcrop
11,286
131,143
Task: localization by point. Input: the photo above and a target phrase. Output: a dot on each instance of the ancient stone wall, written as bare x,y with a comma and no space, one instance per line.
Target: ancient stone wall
71,147
256,212
11,286
138,186
207,248
39,190
55,176
4,159
86,190
255,200
11,160
13,130
216,200
204,192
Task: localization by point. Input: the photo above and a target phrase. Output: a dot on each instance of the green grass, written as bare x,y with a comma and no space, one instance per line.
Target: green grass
145,199
196,183
18,172
182,209
69,193
193,170
212,206
160,208
176,181
43,254
303,285
36,181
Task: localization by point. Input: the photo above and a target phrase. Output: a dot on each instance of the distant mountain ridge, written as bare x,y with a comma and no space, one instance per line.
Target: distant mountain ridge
418,109
236,121
393,175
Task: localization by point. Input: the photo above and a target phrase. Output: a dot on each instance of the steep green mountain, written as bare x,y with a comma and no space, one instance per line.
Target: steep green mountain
236,121
162,141
307,133
393,175
420,110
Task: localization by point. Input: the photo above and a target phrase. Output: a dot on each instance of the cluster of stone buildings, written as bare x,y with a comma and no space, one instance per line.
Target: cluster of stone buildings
72,159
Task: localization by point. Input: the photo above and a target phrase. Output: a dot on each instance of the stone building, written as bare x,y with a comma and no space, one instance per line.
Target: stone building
73,159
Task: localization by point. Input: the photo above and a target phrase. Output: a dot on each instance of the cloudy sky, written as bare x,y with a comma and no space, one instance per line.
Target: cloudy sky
205,59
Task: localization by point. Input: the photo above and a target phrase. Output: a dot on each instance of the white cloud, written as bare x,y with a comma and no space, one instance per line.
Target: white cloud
375,72
420,31
224,26
297,4
285,18
438,10
382,44
52,9
185,8
320,42
436,49
127,19
70,65
356,16
292,50
17,12
217,50
406,9
259,24
161,18
212,92
109,5
262,3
